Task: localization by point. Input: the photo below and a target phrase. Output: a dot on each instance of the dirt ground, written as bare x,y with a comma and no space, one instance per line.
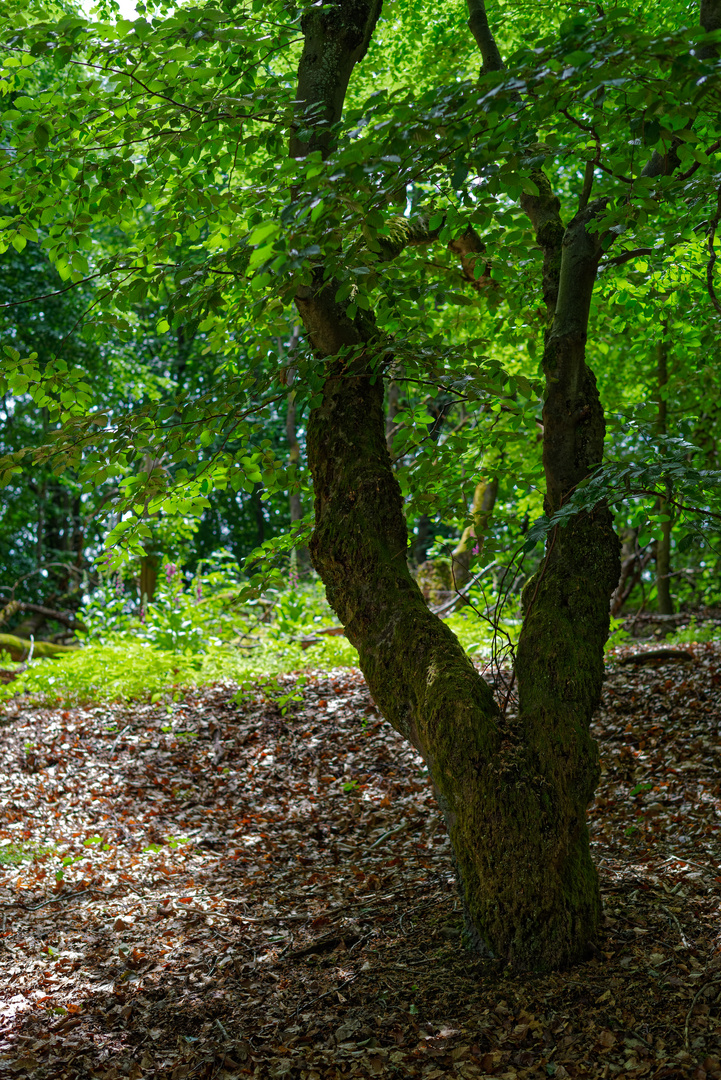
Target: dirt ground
214,890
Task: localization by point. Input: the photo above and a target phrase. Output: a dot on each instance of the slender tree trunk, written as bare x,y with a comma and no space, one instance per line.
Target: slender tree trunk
424,537
484,501
392,408
299,556
630,561
40,527
294,500
566,604
422,540
149,566
663,546
257,504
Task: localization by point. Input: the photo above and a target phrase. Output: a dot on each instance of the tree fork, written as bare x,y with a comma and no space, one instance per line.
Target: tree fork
528,888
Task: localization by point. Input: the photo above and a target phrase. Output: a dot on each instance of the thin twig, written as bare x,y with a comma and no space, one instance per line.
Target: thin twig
391,832
678,924
697,995
55,900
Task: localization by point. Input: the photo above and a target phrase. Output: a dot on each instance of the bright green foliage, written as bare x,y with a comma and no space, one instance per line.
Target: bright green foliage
149,172
14,854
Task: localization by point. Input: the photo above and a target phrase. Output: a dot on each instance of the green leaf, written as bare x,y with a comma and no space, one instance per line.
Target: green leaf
42,135
460,173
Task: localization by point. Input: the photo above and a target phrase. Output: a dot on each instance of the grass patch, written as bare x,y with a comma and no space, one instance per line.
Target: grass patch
123,668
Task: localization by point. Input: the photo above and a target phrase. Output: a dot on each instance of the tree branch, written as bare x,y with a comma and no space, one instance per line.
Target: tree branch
627,256
478,25
469,247
336,37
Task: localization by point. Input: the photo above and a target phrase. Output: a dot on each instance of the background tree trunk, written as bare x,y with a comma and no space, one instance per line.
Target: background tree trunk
392,407
484,501
149,566
424,537
663,546
299,556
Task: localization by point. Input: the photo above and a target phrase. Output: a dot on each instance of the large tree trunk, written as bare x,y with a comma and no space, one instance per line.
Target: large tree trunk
513,792
499,811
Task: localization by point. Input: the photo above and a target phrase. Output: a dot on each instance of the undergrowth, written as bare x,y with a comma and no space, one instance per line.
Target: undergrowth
124,667
196,632
12,854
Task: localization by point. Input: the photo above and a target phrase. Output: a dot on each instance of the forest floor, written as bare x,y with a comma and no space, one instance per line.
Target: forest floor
213,890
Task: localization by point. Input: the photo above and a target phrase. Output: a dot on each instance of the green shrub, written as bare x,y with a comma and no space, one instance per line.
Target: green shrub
13,854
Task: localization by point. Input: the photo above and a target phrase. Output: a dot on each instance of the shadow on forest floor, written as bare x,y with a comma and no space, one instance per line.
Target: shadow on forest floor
217,891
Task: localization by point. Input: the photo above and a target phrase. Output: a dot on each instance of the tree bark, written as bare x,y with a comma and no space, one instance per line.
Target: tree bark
566,605
513,793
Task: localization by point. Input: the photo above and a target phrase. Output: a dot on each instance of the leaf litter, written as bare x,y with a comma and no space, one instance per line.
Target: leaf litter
214,890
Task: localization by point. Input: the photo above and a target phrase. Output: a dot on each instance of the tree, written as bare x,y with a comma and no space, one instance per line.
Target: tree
513,794
357,200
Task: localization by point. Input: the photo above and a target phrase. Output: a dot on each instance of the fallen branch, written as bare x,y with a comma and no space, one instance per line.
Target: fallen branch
326,944
333,990
679,617
63,617
386,835
697,995
657,654
20,648
331,631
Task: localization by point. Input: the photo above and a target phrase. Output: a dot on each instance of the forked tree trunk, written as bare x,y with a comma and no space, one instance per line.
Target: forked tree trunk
566,604
513,792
